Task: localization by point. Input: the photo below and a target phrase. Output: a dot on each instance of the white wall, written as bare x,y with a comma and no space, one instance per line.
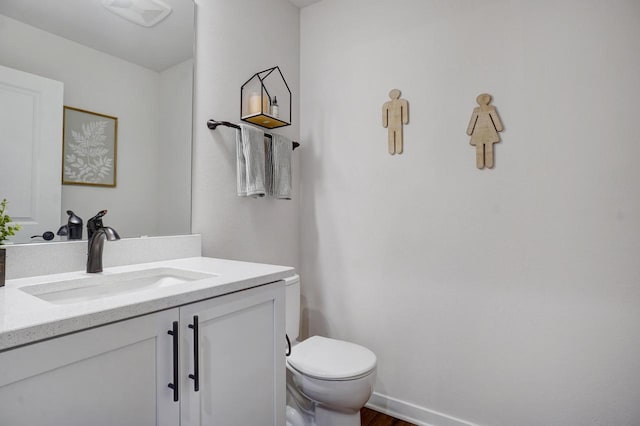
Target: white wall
103,83
236,39
176,122
506,296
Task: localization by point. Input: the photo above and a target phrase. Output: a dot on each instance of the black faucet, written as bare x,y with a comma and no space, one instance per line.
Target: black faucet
74,226
97,234
73,229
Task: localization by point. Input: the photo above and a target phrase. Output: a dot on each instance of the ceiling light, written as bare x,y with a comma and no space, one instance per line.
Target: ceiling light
142,12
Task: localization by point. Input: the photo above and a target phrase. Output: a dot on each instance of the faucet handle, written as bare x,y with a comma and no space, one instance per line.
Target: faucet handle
74,226
73,218
95,223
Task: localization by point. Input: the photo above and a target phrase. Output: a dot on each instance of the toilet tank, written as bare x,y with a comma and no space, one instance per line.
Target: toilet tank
292,303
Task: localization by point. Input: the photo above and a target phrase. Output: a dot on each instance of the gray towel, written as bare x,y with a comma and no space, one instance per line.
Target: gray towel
250,161
278,168
268,166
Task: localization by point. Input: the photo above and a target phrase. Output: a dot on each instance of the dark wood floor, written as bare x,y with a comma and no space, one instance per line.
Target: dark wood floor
373,418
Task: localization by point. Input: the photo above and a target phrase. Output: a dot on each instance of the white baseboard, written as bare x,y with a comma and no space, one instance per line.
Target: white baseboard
412,413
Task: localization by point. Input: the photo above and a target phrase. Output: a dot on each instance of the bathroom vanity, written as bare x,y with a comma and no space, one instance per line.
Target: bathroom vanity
180,342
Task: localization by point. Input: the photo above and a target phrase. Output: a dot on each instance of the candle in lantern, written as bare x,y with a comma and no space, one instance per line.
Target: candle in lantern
254,103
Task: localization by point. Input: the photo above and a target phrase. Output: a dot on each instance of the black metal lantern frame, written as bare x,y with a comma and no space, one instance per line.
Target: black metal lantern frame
260,113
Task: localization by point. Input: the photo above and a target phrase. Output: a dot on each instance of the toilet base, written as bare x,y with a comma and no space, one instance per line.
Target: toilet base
326,417
321,417
302,411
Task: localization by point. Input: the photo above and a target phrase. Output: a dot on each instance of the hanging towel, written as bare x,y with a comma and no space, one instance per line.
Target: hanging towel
268,165
250,161
279,167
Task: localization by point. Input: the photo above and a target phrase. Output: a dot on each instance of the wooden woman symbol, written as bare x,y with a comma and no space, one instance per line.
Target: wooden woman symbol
483,129
394,113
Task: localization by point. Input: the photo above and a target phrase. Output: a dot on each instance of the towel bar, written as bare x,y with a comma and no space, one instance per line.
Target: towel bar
213,124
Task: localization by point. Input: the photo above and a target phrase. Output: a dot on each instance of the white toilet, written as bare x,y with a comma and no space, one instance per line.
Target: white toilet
328,380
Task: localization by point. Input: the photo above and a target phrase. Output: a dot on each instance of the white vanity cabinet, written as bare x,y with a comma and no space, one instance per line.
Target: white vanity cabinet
118,374
241,361
111,375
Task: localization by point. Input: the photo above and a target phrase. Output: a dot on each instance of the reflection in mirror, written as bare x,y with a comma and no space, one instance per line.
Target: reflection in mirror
108,65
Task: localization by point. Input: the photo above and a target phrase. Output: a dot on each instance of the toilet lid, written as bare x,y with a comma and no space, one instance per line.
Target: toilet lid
331,359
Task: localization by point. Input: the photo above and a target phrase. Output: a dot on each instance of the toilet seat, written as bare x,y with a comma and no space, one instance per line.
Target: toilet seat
330,359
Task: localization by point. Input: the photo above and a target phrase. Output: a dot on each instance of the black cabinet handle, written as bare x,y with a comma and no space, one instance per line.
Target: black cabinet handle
174,385
196,362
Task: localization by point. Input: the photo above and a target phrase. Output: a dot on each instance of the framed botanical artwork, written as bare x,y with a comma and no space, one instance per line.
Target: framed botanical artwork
89,148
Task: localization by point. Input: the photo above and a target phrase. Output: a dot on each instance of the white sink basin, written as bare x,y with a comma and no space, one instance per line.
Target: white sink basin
106,285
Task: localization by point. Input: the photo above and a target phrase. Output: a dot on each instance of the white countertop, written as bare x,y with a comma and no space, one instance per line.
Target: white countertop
25,318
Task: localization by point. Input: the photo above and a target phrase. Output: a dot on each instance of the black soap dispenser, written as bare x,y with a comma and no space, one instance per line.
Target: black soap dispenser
74,226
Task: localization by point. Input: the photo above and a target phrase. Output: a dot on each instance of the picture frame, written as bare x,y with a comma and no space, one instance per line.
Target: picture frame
89,148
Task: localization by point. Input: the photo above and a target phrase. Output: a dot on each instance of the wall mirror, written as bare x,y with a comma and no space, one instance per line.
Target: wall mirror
138,72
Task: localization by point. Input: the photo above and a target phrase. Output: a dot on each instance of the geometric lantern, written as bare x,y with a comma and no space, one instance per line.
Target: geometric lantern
265,99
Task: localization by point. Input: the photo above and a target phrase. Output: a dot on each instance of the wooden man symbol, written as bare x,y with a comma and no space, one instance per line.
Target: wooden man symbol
394,113
483,129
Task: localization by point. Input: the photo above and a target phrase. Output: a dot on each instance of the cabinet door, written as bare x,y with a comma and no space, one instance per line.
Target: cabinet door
241,359
114,375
